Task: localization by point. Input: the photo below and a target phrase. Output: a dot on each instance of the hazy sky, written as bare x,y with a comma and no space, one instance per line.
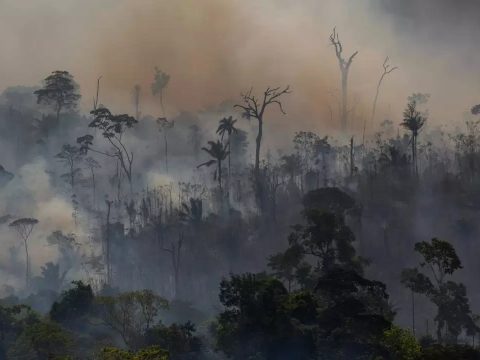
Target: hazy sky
213,49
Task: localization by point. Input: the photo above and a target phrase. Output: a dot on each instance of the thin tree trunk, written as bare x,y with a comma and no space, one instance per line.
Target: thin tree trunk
27,272
413,312
344,115
257,149
166,149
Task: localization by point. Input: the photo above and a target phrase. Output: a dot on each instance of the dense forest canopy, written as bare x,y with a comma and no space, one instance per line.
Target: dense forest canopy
239,180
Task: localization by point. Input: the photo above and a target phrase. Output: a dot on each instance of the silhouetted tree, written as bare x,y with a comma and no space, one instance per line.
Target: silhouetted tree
137,90
218,151
60,91
227,126
69,156
112,127
159,86
254,107
413,121
164,126
24,228
344,65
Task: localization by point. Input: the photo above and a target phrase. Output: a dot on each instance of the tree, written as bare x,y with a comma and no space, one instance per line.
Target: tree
69,156
260,320
24,228
159,86
413,121
92,164
164,126
255,107
218,151
131,314
453,309
344,65
227,126
112,127
387,69
60,91
137,90
44,340
73,305
401,344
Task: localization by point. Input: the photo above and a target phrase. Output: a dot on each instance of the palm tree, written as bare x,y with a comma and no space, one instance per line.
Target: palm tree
227,126
413,120
218,151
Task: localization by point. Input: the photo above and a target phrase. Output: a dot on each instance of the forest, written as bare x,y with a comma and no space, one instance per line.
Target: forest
141,230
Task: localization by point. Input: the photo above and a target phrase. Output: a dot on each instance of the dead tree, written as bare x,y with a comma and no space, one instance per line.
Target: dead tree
24,228
387,69
175,251
107,243
137,90
254,107
344,65
95,99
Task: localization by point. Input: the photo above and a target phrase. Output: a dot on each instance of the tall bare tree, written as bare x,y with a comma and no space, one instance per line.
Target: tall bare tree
387,69
344,65
137,90
255,107
24,228
164,126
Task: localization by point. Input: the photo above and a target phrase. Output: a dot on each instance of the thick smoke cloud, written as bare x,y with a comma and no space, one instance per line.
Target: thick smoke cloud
213,49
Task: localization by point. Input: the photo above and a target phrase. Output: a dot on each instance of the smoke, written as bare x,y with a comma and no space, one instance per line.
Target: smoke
214,49
30,194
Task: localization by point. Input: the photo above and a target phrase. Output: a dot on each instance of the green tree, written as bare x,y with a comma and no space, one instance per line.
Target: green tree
60,91
401,344
130,314
42,340
74,305
258,320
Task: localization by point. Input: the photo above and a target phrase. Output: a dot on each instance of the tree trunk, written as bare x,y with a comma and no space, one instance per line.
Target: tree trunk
27,259
220,174
344,115
257,149
93,188
166,149
413,313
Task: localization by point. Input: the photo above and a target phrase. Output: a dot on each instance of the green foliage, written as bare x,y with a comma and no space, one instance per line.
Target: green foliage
256,320
401,344
74,304
151,353
42,340
177,339
130,314
449,352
